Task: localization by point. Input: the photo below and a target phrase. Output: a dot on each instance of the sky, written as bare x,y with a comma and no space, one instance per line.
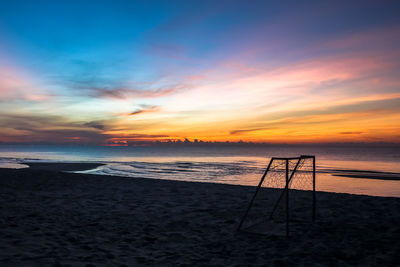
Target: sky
119,72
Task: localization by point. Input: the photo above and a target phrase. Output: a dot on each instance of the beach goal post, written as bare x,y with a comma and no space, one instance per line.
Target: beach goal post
284,199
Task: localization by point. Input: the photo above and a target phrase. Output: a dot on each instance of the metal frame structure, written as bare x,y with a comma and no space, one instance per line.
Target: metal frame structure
285,190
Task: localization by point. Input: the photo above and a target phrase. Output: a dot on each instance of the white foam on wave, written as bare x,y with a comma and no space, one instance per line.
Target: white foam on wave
217,172
10,163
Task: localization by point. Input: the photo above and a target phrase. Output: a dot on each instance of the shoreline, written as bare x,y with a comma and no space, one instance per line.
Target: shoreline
361,178
76,167
351,181
85,166
63,166
50,217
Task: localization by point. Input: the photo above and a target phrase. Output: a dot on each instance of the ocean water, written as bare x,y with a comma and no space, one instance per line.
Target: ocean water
337,165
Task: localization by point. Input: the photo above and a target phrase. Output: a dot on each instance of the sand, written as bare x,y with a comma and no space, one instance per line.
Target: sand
49,218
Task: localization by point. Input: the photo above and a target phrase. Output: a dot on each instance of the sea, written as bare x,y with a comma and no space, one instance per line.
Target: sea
366,169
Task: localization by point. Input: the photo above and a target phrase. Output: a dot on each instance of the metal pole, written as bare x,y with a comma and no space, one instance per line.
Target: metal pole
287,197
314,196
255,194
286,187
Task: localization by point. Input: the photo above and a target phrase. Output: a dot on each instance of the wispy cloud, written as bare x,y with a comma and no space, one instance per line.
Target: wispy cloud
145,109
16,86
95,124
242,131
47,129
124,93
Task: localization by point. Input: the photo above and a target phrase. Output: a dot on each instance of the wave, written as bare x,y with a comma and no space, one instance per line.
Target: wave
220,172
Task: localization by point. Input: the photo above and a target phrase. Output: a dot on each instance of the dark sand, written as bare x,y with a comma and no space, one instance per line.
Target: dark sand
51,218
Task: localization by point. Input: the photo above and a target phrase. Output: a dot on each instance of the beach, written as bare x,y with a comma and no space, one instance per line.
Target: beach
53,218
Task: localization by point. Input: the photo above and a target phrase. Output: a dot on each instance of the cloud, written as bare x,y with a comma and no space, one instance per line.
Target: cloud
129,139
95,124
112,86
134,136
47,129
241,131
15,85
125,93
145,109
158,87
52,129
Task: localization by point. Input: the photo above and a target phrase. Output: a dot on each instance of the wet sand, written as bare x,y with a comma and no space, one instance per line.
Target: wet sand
367,174
370,176
62,166
50,218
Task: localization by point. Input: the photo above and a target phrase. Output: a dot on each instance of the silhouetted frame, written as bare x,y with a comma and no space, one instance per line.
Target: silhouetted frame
285,190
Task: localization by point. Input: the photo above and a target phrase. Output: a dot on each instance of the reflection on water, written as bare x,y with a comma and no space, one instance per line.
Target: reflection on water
229,167
11,163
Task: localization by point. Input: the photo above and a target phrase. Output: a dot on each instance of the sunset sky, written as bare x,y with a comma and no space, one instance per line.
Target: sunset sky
104,72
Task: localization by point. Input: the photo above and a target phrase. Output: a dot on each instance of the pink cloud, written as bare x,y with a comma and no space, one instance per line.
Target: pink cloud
15,85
